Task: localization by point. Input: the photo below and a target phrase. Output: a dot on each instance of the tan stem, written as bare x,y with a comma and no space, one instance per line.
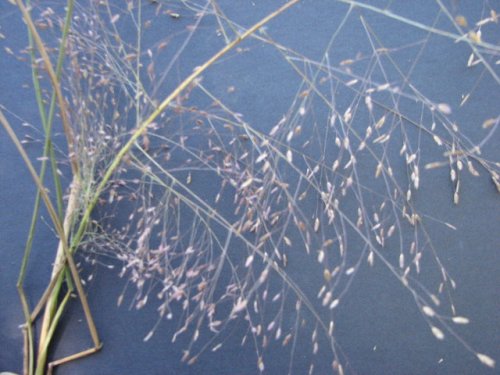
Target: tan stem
59,261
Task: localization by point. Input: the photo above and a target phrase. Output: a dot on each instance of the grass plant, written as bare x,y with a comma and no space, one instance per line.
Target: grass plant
213,217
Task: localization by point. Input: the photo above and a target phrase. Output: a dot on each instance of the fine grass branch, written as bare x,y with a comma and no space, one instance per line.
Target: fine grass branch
53,308
60,229
48,153
219,211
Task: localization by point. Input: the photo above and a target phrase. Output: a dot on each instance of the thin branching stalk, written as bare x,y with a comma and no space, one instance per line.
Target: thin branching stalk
217,216
164,104
47,150
55,84
60,229
53,309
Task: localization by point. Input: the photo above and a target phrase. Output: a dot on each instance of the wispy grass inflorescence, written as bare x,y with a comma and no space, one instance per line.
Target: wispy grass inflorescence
215,218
